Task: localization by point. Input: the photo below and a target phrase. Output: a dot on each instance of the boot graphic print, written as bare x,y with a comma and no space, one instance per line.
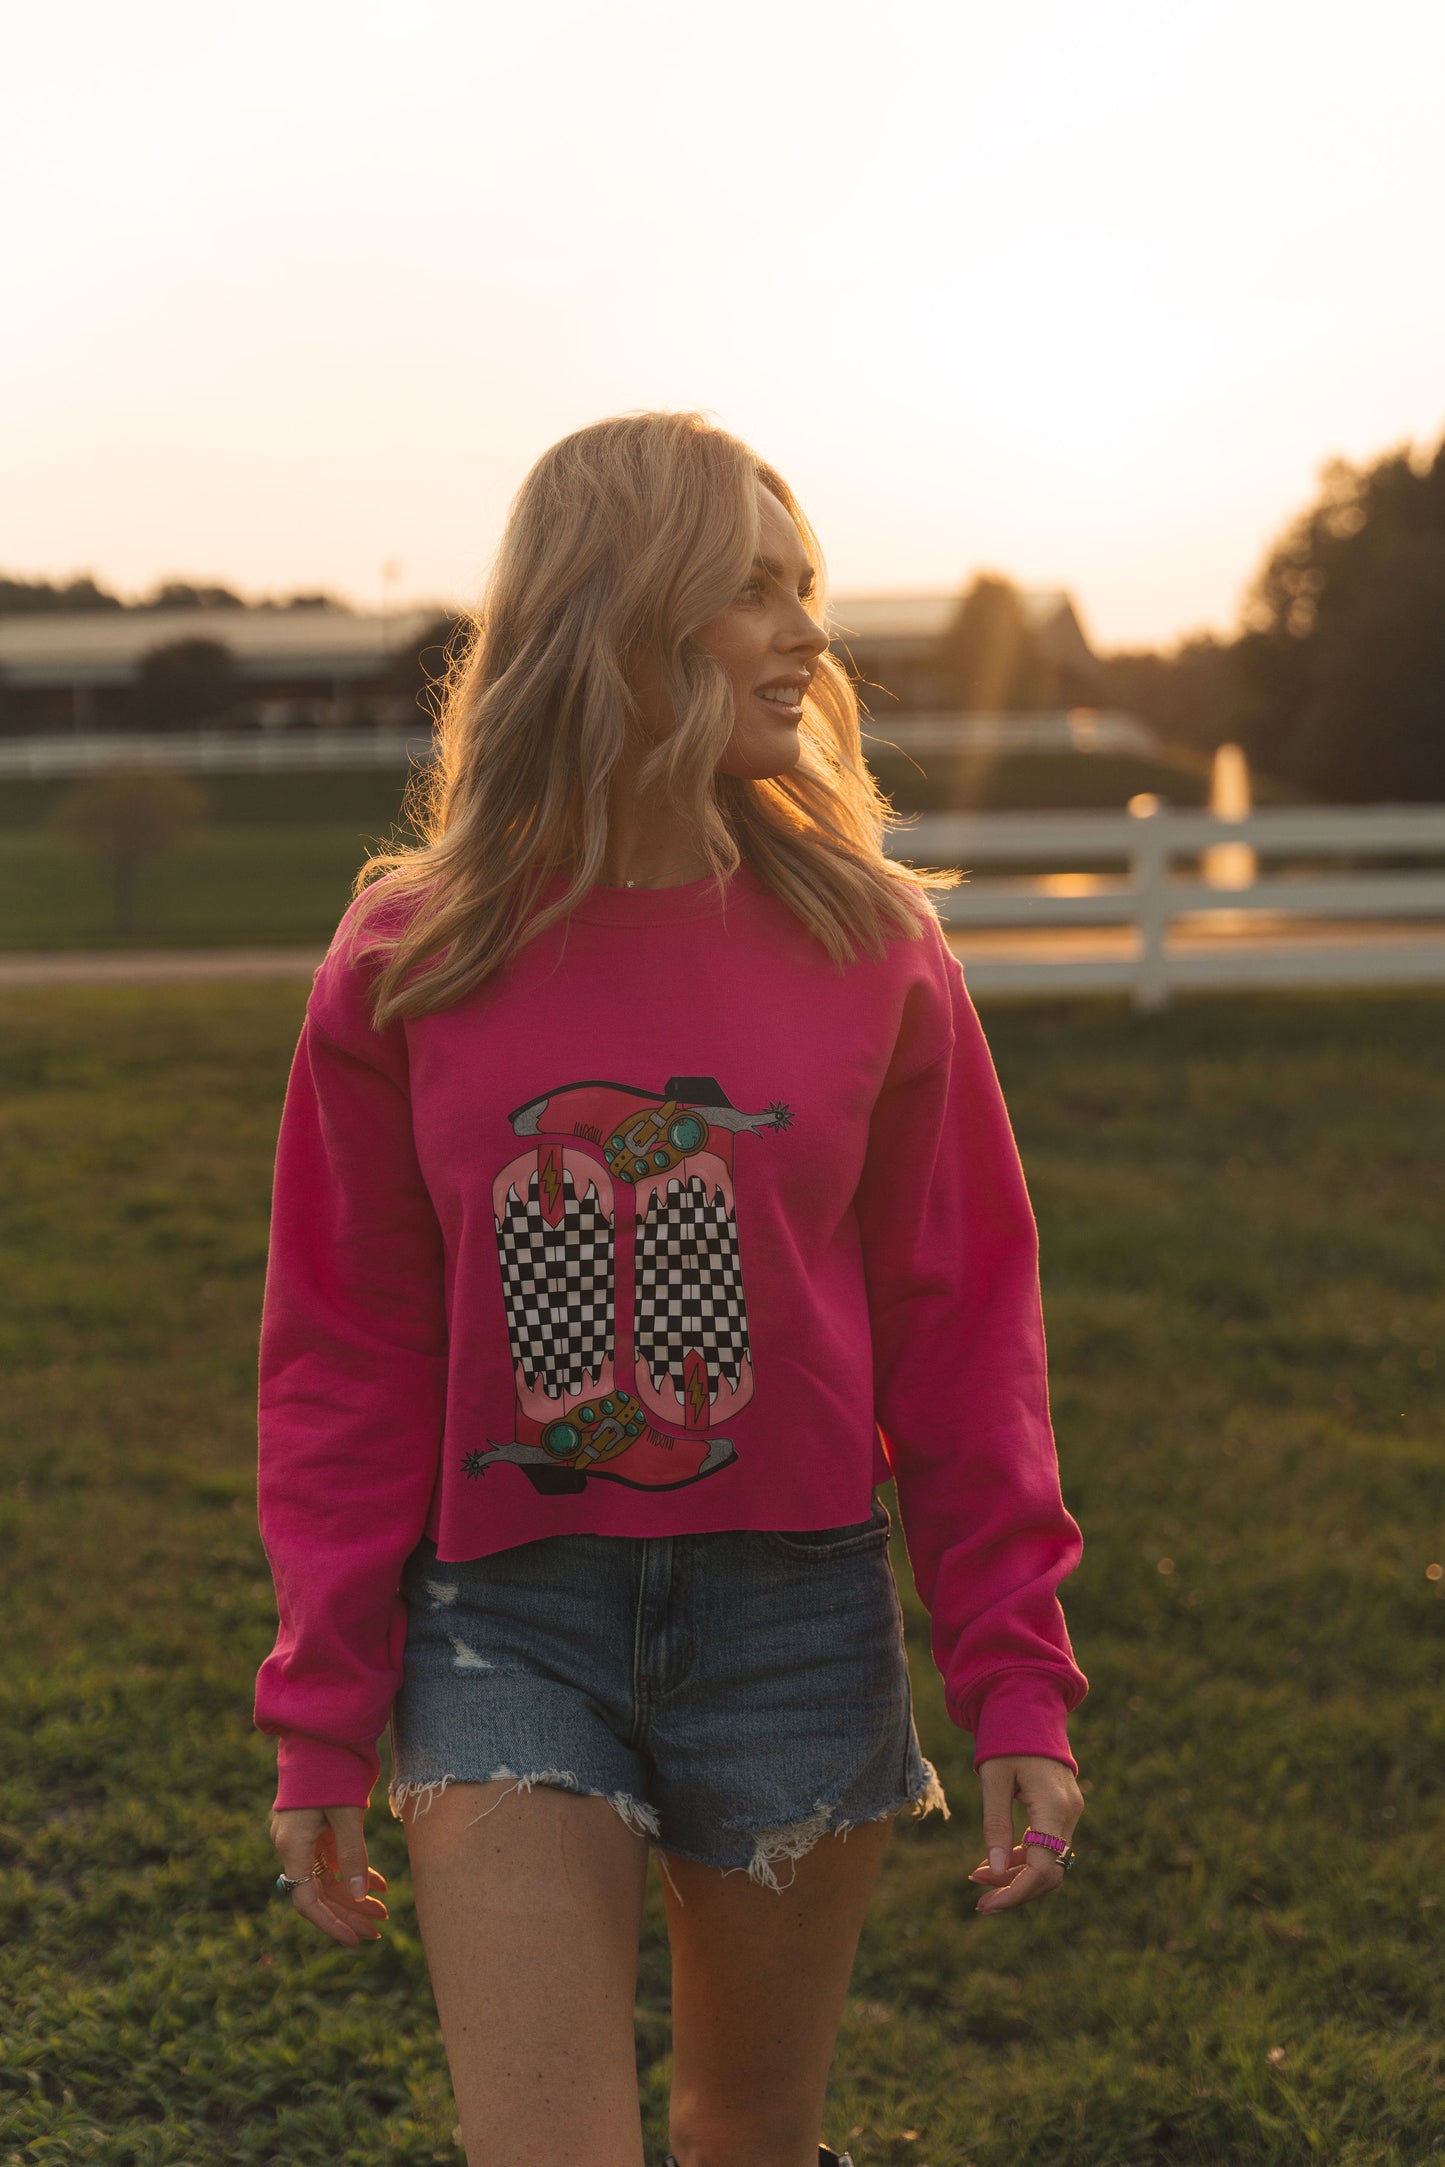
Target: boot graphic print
622,1282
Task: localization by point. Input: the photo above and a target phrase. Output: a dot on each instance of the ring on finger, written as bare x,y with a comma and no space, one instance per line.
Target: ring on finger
1059,1848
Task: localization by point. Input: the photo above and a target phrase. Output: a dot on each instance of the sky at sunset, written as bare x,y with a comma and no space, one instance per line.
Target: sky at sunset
1083,294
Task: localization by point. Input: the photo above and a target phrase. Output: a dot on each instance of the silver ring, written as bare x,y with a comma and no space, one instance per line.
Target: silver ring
287,1882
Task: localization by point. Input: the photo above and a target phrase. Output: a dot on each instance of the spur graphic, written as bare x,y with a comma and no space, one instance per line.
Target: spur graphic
626,1375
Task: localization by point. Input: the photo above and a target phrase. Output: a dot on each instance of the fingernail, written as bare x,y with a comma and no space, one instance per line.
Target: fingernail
998,1858
357,1884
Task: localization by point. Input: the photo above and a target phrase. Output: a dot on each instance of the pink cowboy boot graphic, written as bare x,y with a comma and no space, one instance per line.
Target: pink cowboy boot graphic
626,1377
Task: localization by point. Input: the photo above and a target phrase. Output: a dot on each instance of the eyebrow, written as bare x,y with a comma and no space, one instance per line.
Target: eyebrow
771,566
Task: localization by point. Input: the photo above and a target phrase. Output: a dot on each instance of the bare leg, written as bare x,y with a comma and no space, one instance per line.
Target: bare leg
759,1980
530,1919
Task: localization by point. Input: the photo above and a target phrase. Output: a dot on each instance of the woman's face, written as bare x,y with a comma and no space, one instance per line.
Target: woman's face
768,641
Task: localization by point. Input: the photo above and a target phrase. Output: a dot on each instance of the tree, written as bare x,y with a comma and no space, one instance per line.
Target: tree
988,659
183,683
126,813
1343,655
1191,695
31,597
182,594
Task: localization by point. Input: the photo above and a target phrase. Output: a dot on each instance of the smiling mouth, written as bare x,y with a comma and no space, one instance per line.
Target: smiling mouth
783,703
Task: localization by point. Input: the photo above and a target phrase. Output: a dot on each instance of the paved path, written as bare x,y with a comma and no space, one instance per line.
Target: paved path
1249,951
153,966
998,960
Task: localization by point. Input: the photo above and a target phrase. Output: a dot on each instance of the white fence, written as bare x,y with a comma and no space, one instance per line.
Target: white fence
213,752
1076,729
250,752
1349,924
1326,912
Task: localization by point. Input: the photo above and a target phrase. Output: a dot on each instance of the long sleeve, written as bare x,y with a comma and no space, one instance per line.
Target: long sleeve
960,1387
351,1394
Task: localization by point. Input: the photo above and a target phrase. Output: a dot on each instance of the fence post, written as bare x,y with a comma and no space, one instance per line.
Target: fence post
1149,870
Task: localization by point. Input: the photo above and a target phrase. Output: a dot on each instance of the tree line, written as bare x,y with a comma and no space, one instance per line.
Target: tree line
1333,682
1335,679
45,597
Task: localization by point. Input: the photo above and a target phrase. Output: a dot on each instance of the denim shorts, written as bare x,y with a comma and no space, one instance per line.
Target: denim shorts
735,1696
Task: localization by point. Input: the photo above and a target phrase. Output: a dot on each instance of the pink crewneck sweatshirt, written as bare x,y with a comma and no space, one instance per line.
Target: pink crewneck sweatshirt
670,1226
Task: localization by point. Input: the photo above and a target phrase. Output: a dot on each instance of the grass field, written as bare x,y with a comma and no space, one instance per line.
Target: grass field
274,863
1240,1208
276,859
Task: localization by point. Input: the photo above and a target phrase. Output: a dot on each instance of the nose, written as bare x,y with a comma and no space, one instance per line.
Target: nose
805,636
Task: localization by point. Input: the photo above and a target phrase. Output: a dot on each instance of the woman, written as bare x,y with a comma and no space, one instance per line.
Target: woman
644,1201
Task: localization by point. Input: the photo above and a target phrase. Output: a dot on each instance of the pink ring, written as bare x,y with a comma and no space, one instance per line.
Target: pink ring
1063,1852
1056,1844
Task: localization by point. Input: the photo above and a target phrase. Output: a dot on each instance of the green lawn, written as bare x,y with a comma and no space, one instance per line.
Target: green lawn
276,859
274,863
227,887
1240,1208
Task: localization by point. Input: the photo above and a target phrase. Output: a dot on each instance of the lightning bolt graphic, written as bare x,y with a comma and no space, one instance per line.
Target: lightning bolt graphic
697,1394
549,1181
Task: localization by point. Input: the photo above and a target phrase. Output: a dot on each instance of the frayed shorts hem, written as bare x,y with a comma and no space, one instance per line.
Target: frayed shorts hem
744,1692
638,1815
791,1842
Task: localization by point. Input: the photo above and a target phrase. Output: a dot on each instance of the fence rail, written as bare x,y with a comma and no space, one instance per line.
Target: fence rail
1356,925
212,752
1079,730
1039,921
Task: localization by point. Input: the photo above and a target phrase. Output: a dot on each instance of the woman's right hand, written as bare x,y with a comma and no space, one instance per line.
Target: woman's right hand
339,1895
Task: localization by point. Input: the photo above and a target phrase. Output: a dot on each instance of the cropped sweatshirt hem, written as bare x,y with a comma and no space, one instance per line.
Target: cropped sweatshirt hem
672,1225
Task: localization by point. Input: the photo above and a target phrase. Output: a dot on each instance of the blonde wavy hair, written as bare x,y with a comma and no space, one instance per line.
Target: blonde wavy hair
624,538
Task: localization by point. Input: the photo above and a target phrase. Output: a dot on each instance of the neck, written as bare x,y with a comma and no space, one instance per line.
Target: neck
648,845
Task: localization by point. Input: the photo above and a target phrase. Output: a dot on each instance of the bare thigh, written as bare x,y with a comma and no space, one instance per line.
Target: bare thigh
759,1980
530,1919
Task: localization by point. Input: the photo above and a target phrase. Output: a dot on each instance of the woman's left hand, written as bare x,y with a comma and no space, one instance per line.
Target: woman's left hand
1016,1873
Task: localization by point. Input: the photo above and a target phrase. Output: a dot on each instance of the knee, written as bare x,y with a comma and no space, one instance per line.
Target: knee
736,2137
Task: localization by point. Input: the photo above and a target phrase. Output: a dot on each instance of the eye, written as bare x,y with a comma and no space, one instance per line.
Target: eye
754,586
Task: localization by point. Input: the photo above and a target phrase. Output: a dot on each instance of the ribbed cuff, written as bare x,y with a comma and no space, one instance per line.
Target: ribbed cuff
312,1772
1023,1711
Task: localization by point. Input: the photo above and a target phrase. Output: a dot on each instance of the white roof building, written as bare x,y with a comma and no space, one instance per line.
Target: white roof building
330,666
95,648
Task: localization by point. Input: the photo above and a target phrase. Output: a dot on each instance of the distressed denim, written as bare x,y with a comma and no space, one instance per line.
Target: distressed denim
734,1695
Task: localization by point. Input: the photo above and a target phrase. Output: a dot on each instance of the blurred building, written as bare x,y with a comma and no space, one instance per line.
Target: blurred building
993,649
907,650
325,668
